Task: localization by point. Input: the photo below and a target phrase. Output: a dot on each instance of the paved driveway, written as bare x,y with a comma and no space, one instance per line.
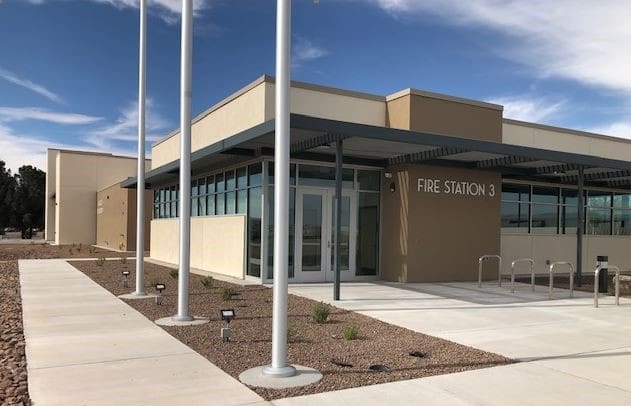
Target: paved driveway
570,351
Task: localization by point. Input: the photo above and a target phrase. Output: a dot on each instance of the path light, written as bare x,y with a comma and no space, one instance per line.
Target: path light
159,288
227,315
125,279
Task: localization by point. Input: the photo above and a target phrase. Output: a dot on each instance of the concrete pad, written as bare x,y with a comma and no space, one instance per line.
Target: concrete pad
85,346
169,321
304,376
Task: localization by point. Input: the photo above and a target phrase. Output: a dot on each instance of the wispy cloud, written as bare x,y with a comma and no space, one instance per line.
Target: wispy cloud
168,10
527,108
620,129
585,41
33,113
125,127
27,84
304,51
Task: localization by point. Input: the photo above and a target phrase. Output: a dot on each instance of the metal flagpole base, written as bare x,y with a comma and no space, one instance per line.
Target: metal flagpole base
282,372
277,378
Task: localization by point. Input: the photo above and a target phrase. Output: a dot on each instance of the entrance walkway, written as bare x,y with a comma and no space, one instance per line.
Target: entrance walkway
84,346
573,353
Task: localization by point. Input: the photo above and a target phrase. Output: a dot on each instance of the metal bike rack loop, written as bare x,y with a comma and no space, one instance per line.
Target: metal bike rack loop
532,272
499,270
617,278
571,267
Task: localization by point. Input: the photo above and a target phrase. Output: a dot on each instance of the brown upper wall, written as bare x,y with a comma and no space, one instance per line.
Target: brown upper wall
438,114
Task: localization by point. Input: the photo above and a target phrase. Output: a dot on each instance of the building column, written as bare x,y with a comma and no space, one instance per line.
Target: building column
579,227
338,215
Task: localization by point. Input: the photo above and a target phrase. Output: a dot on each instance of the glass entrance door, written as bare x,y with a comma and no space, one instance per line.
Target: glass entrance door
315,234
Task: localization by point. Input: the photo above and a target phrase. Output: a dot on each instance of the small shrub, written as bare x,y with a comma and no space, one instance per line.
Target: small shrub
174,274
292,331
123,260
227,293
70,251
321,313
207,282
92,250
350,331
100,261
80,247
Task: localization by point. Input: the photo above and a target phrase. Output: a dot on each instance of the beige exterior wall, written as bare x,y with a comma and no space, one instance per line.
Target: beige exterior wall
315,102
542,248
78,176
237,115
116,218
50,204
566,141
437,237
217,243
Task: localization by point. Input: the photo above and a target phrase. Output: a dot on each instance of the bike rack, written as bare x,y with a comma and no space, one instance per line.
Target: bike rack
499,271
571,266
532,272
617,278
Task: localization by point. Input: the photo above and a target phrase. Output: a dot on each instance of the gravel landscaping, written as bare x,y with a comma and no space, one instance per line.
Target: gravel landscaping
12,252
13,376
343,363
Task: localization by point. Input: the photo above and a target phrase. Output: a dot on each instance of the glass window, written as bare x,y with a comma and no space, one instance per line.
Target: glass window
515,193
210,205
598,199
210,184
311,175
545,195
219,183
622,201
220,206
515,217
270,173
242,201
175,193
598,221
545,218
368,180
621,222
568,219
255,174
230,182
242,177
254,231
367,261
230,203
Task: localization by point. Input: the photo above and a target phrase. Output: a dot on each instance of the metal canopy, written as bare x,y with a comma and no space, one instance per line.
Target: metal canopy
315,139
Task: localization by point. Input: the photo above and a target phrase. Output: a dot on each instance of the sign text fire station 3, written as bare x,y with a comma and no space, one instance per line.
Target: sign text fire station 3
455,187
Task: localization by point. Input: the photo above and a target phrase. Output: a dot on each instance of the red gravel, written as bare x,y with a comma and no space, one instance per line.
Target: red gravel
13,377
315,345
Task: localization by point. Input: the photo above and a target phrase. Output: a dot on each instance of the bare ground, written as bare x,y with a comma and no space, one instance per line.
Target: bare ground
13,375
313,345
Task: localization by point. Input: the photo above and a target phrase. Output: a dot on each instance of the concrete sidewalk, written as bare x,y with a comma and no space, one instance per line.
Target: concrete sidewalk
84,346
573,353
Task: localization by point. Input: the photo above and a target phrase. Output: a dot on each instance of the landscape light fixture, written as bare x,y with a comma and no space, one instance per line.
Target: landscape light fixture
160,287
125,279
227,315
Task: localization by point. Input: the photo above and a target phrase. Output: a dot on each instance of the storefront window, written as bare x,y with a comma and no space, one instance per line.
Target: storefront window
545,210
515,208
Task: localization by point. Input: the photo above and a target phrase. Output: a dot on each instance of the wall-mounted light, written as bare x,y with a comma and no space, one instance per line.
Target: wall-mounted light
388,175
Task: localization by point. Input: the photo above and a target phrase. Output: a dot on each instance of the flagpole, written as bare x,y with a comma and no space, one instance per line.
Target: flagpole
279,366
140,186
185,161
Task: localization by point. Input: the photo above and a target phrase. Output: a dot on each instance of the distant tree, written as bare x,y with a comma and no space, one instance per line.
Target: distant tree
22,199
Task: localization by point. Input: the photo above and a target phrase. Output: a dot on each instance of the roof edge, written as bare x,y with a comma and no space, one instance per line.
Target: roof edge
566,130
440,96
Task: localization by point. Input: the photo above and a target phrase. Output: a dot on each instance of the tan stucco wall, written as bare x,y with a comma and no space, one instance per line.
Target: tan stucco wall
334,106
237,115
568,142
78,178
437,237
51,183
563,248
445,116
217,243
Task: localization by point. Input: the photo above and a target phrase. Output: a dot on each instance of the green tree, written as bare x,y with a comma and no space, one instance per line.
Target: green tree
7,190
29,199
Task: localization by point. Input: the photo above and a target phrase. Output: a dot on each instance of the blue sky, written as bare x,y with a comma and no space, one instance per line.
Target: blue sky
68,72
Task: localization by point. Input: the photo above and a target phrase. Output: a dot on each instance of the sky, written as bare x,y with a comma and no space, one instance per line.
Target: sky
69,75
